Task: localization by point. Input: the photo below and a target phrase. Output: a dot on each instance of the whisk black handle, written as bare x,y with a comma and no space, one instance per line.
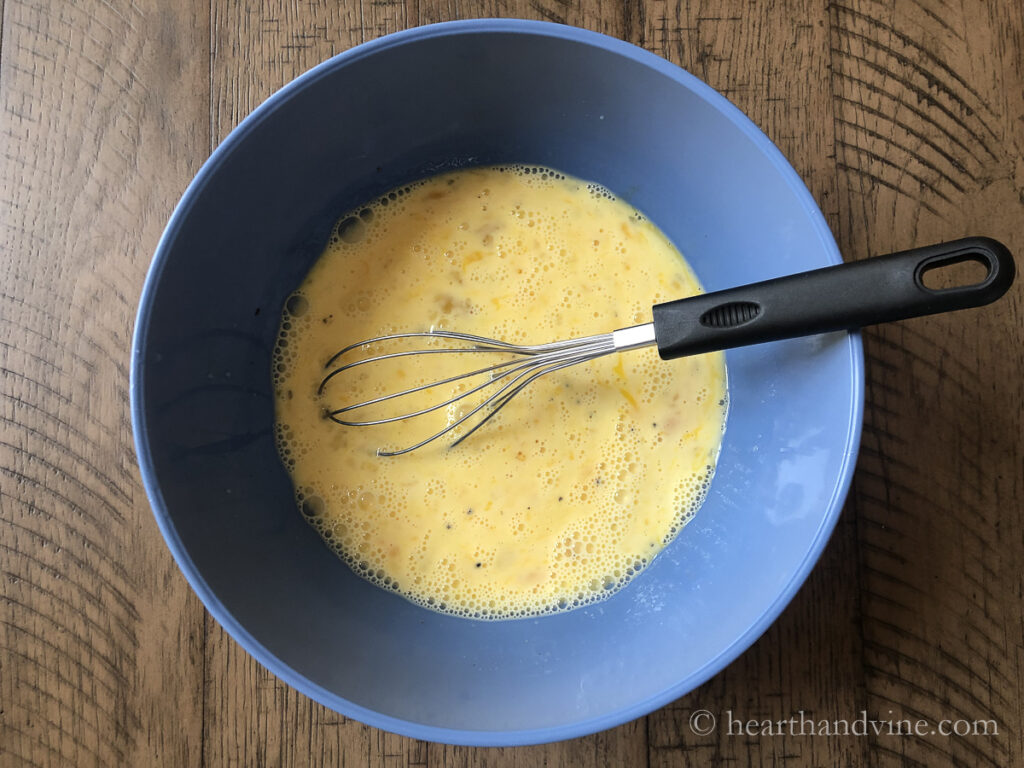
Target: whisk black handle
843,297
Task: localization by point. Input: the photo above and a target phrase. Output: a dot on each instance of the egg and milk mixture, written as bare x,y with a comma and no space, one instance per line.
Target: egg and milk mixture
577,483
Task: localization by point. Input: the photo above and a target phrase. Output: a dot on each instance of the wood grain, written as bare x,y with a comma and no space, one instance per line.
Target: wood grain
928,148
905,119
101,654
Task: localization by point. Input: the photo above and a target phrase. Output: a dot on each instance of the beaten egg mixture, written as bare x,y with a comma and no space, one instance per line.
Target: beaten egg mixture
576,484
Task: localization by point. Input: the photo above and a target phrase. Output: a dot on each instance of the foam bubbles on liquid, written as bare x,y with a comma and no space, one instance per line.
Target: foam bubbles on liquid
571,491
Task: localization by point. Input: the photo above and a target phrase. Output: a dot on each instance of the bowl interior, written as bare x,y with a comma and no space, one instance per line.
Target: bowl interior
258,215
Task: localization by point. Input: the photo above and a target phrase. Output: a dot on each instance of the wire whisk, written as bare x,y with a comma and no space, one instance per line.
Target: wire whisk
504,379
843,297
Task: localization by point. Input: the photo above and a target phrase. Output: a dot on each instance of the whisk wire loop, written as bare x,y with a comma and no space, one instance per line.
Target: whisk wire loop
508,377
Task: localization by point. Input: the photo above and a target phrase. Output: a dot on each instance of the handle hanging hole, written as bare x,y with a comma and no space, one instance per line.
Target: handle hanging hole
964,271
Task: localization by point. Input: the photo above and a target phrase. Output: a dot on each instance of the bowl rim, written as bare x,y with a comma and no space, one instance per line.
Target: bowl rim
300,682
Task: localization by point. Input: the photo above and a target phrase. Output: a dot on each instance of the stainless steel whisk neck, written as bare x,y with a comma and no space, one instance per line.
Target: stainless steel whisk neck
634,337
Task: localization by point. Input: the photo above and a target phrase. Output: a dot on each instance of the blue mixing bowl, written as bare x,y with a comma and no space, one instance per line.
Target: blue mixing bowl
256,217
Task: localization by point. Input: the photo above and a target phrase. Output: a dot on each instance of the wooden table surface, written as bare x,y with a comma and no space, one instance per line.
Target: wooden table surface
907,122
